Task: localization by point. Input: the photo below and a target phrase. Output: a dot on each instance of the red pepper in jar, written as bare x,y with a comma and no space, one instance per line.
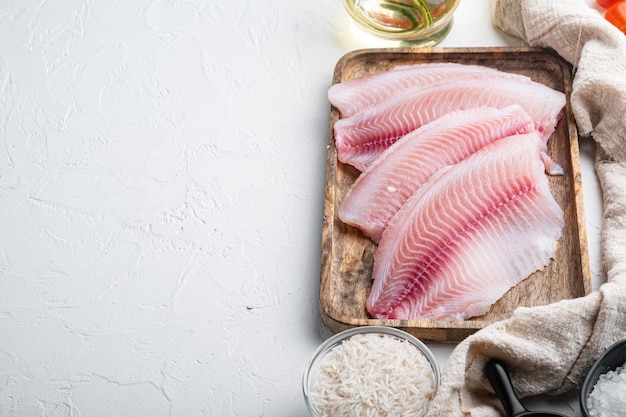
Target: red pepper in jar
616,15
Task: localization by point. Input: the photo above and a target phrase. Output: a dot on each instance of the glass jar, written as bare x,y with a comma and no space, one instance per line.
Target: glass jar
419,22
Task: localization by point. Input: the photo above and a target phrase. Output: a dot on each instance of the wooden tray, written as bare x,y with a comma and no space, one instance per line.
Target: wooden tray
347,255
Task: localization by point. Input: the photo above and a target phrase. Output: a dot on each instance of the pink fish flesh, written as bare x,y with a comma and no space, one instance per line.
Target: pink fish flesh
391,179
354,95
362,137
469,234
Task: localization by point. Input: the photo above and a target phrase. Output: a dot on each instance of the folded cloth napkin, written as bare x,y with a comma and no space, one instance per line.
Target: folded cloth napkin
549,349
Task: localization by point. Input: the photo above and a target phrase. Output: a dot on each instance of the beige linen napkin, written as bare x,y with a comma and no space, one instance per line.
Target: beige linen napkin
549,349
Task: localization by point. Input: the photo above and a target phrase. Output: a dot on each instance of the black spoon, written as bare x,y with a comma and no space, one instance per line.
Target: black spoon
501,383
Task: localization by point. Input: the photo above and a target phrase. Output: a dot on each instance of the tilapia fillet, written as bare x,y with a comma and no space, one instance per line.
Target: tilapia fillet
357,94
380,191
362,137
469,234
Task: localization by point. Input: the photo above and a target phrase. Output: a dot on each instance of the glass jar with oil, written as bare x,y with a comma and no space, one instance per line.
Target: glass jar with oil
419,22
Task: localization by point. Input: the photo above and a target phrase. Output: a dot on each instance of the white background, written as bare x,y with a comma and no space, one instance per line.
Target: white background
161,187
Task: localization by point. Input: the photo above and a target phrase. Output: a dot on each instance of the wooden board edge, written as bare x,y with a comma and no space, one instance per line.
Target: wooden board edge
348,57
425,330
574,152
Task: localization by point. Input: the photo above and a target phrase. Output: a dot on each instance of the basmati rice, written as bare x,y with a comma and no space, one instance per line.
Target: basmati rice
373,375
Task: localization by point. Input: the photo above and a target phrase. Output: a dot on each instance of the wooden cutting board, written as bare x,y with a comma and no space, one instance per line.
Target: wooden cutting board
348,256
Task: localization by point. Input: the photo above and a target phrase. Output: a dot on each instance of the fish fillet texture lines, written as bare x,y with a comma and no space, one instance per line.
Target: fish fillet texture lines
362,137
469,234
380,191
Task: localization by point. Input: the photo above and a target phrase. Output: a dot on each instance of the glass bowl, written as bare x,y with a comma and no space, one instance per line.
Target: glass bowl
419,22
360,378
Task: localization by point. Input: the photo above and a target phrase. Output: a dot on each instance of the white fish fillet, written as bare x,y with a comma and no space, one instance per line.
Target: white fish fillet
387,183
354,95
362,137
472,232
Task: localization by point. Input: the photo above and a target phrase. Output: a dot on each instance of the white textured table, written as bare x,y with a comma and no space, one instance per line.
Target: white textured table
161,187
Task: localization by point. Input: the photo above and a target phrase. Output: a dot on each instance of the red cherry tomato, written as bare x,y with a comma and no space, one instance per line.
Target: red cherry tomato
616,14
607,3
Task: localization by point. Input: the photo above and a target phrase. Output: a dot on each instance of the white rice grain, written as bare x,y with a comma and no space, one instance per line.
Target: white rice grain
372,375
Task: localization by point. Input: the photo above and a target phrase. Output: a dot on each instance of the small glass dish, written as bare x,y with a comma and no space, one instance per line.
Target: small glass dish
355,372
418,22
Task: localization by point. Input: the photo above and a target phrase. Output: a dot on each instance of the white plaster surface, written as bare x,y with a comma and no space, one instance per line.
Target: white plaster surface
161,187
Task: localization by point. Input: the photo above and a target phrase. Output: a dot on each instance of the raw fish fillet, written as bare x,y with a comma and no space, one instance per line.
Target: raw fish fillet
361,137
357,94
468,235
391,179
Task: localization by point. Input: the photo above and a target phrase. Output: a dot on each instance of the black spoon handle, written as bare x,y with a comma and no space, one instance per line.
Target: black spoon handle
501,383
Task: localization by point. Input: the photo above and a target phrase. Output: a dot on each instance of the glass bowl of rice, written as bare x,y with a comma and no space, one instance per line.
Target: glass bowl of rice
374,371
603,392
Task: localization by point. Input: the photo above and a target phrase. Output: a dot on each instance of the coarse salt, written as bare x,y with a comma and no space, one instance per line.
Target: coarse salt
608,397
